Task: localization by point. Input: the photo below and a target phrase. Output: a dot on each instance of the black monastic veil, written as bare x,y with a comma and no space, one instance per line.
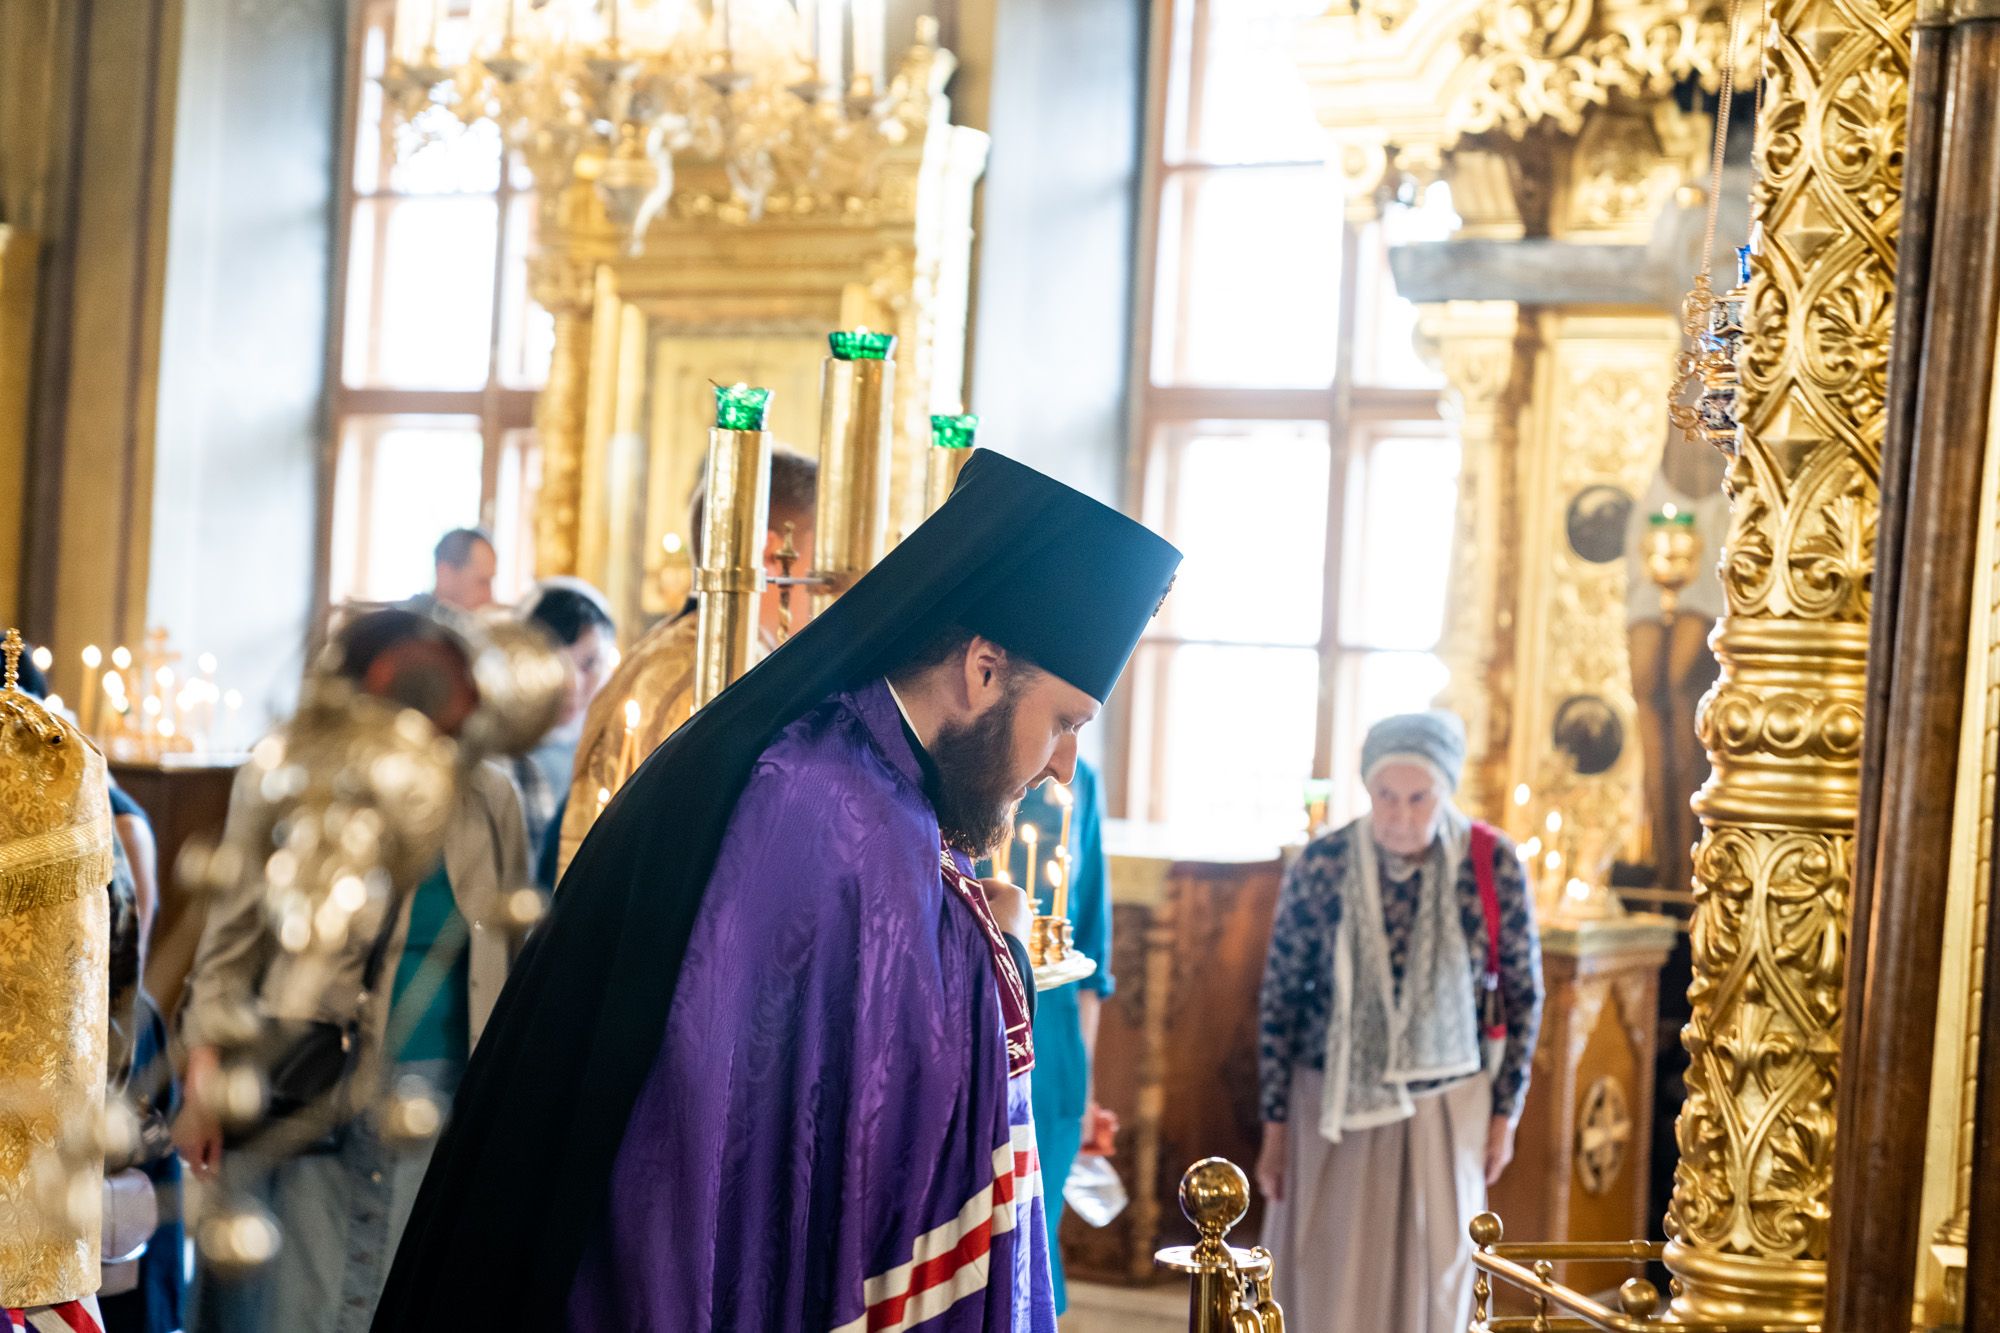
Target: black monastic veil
519,1181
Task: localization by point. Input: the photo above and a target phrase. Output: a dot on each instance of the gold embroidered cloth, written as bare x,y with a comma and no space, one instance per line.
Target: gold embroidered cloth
55,861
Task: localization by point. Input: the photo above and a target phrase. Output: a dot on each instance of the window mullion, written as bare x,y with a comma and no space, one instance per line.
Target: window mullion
1338,423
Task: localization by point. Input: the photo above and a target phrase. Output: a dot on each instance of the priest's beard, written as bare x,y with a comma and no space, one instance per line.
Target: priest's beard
977,790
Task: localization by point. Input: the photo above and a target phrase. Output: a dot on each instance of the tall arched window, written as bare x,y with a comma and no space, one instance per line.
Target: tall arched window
438,349
1288,439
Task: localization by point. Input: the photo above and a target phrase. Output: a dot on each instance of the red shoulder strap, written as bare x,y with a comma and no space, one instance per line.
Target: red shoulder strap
1485,842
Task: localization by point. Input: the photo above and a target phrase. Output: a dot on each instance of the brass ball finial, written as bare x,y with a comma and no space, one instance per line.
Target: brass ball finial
1486,1230
1214,1196
1639,1297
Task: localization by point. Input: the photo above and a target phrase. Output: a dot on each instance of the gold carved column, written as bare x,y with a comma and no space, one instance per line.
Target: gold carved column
1479,347
562,284
1783,724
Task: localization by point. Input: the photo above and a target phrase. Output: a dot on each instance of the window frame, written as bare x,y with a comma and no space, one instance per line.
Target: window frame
501,409
1349,410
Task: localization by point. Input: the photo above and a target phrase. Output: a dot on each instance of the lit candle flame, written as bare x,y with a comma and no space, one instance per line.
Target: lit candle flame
121,658
1522,795
93,657
631,715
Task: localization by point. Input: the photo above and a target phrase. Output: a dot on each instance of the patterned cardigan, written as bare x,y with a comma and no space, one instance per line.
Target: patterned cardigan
1298,974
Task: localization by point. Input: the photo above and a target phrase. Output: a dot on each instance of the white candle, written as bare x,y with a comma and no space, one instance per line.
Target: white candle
1030,835
86,708
828,48
868,37
628,751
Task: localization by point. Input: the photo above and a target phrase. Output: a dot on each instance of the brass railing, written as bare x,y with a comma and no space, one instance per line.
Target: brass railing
1531,1267
1230,1291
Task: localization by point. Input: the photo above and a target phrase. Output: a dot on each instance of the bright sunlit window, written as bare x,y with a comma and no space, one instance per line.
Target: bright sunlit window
440,349
1291,445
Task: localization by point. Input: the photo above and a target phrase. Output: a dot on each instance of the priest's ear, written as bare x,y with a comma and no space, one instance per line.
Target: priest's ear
986,671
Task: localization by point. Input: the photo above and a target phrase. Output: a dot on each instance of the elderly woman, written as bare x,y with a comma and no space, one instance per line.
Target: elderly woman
1400,1004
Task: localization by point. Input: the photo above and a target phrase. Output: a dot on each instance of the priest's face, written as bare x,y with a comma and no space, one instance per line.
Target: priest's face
1405,802
1021,730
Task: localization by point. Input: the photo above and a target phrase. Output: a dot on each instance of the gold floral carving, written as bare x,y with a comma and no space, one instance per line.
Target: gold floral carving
1606,382
1406,91
562,285
1485,352
53,959
1586,1007
1637,1007
1603,1135
1552,60
1783,724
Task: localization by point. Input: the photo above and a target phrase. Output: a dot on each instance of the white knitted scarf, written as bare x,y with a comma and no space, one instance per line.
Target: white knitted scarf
1377,1043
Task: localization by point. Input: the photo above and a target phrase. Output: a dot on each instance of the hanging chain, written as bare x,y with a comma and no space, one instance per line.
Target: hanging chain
1699,303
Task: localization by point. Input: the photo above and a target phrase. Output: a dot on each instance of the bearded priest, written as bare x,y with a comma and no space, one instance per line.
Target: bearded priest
765,1066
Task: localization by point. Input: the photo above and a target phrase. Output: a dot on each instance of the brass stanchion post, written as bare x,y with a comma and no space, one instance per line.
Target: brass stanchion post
731,575
851,530
1230,1291
951,445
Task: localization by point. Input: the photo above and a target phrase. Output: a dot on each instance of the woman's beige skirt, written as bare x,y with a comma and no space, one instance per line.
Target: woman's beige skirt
1371,1236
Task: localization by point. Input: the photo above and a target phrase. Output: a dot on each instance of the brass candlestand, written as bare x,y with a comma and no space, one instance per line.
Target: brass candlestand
851,530
1672,547
1231,1288
951,446
1052,952
730,578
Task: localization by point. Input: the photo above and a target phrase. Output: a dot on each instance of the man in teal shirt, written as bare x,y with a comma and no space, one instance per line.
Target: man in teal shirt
1066,1018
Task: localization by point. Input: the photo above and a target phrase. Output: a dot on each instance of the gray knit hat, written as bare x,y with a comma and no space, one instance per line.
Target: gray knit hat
1435,739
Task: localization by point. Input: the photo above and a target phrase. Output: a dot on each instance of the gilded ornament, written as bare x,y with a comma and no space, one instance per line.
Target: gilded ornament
55,861
1603,1135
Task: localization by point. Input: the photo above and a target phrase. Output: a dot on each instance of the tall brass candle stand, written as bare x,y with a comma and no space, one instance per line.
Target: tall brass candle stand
851,529
731,575
951,445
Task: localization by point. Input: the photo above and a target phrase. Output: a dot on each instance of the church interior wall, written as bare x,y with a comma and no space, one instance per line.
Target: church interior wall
243,353
86,99
1061,89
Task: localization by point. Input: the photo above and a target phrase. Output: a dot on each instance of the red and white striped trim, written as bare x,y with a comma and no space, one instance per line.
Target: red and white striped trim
80,1316
950,1262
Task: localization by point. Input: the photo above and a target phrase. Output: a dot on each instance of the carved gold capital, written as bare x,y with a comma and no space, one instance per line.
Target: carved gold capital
1405,90
564,285
1783,724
